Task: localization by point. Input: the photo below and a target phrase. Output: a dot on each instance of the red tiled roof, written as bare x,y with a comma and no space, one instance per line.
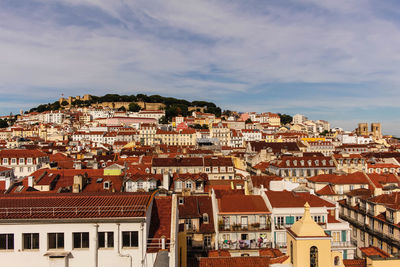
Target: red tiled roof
249,204
264,180
355,263
326,190
374,251
21,153
69,205
160,222
351,178
218,253
234,261
195,207
289,199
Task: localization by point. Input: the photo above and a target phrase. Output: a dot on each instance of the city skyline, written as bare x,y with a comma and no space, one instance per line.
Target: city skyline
333,61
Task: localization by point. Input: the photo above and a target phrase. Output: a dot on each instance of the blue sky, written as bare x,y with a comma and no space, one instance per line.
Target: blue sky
334,60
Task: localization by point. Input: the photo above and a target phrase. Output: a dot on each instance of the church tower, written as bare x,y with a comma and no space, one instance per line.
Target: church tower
309,246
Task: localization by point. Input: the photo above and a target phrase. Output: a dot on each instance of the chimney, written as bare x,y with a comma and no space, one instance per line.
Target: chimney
246,187
165,181
77,187
8,183
30,181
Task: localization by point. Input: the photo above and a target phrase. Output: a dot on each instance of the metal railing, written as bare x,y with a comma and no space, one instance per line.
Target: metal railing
244,227
241,244
158,243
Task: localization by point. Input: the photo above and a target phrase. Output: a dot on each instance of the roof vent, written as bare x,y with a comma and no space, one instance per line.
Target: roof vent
99,180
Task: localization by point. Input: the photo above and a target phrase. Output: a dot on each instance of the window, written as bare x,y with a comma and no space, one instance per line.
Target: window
189,241
130,239
178,184
291,252
207,241
355,232
279,220
21,161
106,185
13,161
6,241
188,224
181,201
298,218
105,239
5,161
29,160
140,184
31,241
205,218
337,261
336,236
81,240
55,240
313,256
391,229
317,219
189,184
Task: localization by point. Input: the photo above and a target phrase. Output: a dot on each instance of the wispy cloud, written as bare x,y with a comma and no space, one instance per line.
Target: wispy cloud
322,57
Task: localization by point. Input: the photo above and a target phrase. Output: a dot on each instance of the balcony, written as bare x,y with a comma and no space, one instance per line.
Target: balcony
342,244
244,227
280,245
244,244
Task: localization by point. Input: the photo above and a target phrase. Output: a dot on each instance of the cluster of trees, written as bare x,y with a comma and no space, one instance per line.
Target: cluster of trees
173,106
198,126
285,119
3,123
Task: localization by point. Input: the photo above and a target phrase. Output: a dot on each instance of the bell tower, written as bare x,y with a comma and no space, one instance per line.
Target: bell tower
309,246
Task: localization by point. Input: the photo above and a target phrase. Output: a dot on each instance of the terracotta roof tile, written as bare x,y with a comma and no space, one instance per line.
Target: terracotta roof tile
288,199
69,205
242,204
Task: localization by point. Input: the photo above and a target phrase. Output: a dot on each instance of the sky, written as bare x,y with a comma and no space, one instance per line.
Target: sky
333,60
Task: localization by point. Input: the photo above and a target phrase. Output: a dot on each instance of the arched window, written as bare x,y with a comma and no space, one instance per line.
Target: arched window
291,252
313,256
337,260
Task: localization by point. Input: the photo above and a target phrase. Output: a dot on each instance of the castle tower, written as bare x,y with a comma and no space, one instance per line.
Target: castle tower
362,129
376,130
309,245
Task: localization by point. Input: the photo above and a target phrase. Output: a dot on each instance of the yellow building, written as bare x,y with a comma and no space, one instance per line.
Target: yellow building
309,245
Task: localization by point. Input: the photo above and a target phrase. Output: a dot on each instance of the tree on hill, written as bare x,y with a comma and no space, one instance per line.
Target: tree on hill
285,119
64,103
3,123
248,121
134,107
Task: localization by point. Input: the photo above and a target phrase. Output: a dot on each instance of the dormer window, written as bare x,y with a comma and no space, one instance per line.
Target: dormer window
5,161
295,162
21,161
302,162
317,162
309,162
323,162
205,218
288,163
181,200
106,185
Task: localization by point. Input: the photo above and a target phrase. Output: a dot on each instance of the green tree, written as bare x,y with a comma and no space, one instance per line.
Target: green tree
134,107
285,119
122,108
64,103
163,120
248,121
3,123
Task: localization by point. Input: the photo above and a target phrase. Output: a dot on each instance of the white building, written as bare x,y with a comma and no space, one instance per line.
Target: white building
78,230
23,161
299,119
